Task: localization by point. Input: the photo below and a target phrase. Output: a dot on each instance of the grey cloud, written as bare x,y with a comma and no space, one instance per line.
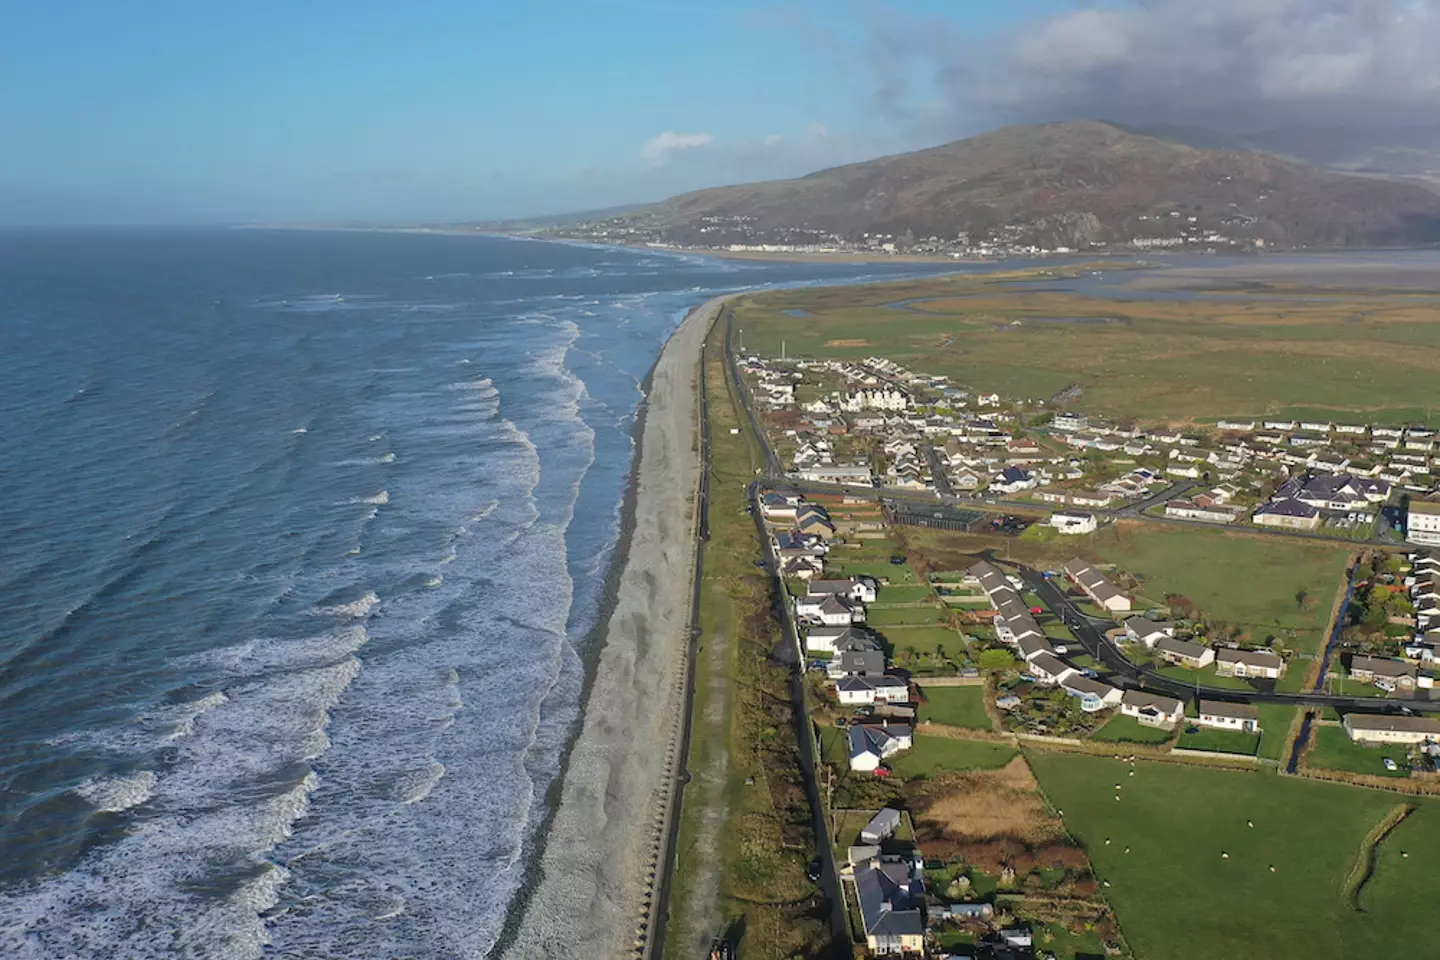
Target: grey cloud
1232,64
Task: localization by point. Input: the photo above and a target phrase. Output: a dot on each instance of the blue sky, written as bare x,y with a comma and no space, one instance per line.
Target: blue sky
184,111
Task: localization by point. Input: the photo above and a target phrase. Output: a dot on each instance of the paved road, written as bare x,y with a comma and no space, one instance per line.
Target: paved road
1129,675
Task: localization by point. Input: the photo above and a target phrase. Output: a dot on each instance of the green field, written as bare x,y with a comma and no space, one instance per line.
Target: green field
1334,750
906,594
1266,586
955,706
1123,729
1373,354
1178,899
1220,741
932,755
881,617
925,641
1275,722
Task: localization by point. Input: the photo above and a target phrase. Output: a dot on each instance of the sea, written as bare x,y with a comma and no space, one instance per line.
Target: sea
304,536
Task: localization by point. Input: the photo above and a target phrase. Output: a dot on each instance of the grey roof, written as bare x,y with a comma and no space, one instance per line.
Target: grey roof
1141,700
1218,708
1381,667
1083,684
873,738
1251,658
1030,646
883,823
817,587
1181,648
1376,721
1051,666
887,906
1288,508
1143,626
863,662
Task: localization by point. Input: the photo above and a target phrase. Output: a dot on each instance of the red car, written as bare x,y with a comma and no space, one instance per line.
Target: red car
1037,609
882,771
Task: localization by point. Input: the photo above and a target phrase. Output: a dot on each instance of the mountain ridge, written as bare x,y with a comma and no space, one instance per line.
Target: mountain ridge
1073,184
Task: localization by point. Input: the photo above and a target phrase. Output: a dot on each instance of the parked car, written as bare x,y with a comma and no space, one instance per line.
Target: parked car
1390,765
882,771
812,870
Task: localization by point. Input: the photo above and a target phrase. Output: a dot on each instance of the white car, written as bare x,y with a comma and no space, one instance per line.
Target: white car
1390,765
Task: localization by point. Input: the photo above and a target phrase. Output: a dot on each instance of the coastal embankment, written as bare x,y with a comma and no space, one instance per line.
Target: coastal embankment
604,851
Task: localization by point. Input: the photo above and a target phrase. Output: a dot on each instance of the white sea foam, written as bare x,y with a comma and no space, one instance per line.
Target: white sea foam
435,581
378,499
114,794
300,430
358,608
412,786
188,713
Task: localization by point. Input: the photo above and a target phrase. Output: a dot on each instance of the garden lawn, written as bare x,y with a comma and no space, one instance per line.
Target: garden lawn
932,755
955,706
905,594
1334,750
904,616
926,641
1178,899
1220,741
1123,729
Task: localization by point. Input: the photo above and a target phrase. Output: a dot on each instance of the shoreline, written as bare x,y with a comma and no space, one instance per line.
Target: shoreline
602,849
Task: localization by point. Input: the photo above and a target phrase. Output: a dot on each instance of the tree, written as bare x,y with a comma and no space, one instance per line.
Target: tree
996,660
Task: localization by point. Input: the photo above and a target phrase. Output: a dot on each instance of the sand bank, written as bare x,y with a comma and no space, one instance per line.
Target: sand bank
602,853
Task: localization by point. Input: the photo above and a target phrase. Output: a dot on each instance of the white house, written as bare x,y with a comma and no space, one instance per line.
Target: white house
829,610
1422,523
1096,587
1093,694
871,744
835,640
862,589
1049,669
858,691
1373,728
1074,523
1013,480
1259,664
1242,717
1187,654
1148,632
1151,709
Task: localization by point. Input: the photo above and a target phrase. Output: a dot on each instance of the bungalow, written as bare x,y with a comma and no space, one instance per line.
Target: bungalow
1184,652
1191,510
891,895
856,663
863,589
852,475
802,568
1013,480
1049,669
872,744
1090,498
1096,587
830,610
860,691
1289,513
1032,646
1382,673
1093,694
1258,664
1242,717
1148,632
1236,426
834,640
1151,709
779,506
881,827
1379,728
1074,523
814,523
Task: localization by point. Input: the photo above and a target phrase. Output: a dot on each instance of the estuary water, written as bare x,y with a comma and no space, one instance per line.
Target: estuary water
302,539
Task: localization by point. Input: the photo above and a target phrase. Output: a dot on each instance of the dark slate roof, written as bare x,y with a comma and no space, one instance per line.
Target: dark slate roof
1218,708
1288,508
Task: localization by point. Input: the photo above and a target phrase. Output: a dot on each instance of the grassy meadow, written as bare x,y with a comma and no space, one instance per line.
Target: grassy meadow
1372,353
1178,898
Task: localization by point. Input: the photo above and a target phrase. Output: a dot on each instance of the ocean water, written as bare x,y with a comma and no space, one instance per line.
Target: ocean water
301,542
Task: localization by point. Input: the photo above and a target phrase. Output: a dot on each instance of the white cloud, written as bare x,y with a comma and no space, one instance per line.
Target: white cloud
658,149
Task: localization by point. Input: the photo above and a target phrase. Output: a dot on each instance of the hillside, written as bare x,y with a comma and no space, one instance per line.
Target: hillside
1075,184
